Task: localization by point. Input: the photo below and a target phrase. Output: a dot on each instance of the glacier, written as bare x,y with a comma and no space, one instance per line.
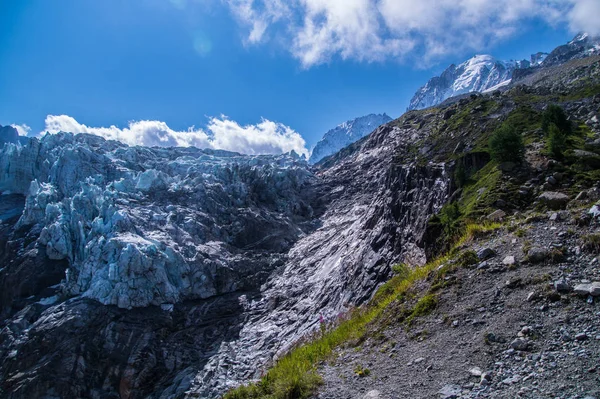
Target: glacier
149,226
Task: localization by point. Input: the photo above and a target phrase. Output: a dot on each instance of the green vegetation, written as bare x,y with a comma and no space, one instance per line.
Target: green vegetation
555,115
460,174
520,232
424,306
506,144
591,242
294,375
478,198
450,219
362,372
402,270
467,258
556,141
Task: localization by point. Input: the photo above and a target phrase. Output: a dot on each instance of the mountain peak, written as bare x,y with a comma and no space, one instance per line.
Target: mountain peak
483,72
478,73
345,134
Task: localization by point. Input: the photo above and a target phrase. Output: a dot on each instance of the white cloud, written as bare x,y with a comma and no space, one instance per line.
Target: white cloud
585,16
23,129
266,137
374,30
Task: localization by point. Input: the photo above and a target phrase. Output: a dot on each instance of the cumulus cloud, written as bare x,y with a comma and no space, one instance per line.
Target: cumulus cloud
373,30
266,137
23,129
585,16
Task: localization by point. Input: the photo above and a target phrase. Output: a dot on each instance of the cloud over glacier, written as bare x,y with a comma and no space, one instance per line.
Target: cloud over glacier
266,137
374,30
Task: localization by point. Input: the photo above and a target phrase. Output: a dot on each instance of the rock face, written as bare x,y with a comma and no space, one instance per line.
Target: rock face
154,272
582,45
346,134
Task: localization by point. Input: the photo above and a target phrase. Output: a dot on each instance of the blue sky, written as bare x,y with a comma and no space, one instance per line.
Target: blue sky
187,62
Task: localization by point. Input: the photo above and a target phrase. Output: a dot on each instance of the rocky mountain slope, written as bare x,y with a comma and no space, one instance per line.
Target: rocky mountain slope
134,272
346,134
485,73
510,308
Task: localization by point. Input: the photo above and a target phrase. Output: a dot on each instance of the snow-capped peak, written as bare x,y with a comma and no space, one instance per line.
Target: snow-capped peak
479,73
345,134
484,73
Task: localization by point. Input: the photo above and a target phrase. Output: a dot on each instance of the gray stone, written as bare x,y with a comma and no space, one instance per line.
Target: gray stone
374,394
520,344
485,253
497,215
581,336
554,200
581,196
531,296
450,391
483,265
509,260
537,255
595,211
562,286
586,289
476,372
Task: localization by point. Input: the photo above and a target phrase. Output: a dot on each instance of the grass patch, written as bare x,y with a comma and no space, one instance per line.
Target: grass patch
479,195
591,242
294,376
423,307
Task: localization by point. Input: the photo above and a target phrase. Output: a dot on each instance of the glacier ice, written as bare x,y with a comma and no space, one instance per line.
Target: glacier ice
149,226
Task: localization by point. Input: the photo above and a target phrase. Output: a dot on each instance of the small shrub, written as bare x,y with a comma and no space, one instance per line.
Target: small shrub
460,174
401,270
591,242
555,115
362,372
520,232
506,145
467,258
425,306
556,141
450,219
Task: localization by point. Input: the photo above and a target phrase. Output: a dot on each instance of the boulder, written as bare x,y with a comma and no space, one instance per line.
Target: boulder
554,200
509,260
537,255
497,215
485,253
562,286
592,289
